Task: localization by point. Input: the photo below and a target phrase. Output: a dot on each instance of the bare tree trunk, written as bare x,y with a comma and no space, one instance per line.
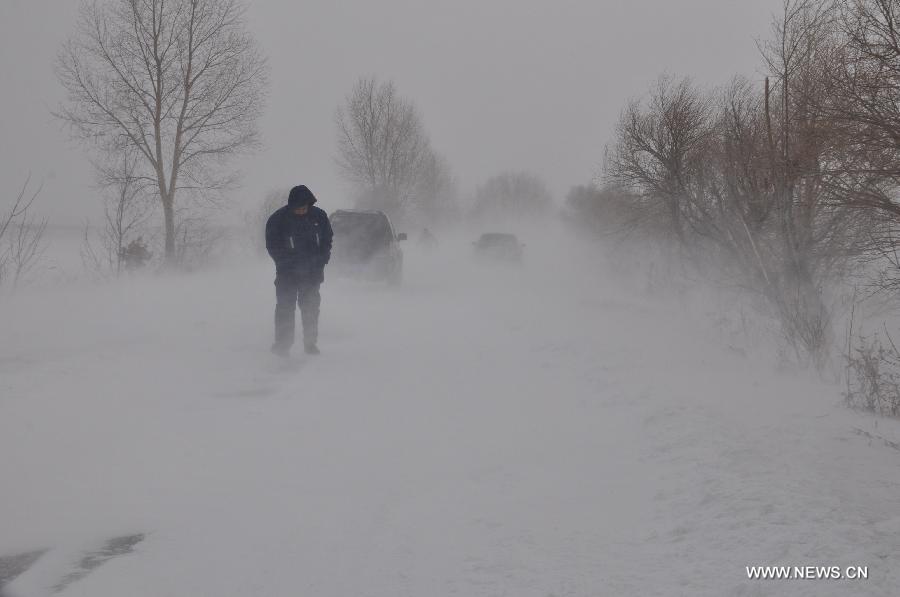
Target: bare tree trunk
169,217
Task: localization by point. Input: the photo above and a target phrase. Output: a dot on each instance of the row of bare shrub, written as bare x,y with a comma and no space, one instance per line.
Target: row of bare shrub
788,184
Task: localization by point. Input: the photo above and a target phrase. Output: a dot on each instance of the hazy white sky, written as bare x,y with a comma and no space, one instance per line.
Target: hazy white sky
502,84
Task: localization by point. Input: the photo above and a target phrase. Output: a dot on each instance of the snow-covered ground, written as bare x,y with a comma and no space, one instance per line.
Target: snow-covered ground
481,431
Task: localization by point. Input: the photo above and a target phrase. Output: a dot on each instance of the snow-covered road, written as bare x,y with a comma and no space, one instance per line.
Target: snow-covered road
481,431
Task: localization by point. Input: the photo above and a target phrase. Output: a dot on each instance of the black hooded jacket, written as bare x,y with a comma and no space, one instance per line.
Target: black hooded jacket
299,245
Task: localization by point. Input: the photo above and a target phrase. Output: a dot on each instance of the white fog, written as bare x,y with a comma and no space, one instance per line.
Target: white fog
567,367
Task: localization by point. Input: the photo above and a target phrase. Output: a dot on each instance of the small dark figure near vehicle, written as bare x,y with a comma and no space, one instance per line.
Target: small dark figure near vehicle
427,240
298,238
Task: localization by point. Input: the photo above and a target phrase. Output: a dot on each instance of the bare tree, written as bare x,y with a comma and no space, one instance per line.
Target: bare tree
26,248
512,196
608,211
864,102
179,82
21,236
817,237
753,179
126,211
866,84
19,208
200,241
661,148
383,150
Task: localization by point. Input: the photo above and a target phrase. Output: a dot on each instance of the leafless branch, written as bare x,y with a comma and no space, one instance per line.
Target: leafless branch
178,83
384,152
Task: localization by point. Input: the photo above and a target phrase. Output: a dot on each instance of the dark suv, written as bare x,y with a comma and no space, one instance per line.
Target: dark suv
366,246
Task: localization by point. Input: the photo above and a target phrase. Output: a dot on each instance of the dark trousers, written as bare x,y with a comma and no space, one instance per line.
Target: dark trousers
291,291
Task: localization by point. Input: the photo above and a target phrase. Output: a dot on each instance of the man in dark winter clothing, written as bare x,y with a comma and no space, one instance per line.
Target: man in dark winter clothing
298,238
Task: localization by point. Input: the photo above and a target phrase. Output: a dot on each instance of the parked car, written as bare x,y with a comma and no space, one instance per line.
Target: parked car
499,246
366,246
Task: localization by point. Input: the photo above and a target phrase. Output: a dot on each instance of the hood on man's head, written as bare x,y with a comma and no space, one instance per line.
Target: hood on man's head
300,196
